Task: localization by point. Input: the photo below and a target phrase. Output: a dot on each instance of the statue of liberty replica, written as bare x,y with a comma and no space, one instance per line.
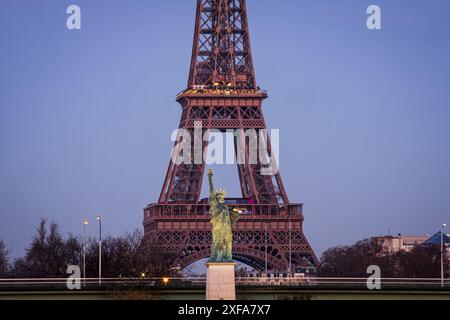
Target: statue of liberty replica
222,219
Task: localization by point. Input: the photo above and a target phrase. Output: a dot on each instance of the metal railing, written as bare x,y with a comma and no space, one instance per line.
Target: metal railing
171,210
291,282
222,90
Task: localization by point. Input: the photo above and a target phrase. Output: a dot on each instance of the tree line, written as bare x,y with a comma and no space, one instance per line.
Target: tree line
50,253
423,261
131,255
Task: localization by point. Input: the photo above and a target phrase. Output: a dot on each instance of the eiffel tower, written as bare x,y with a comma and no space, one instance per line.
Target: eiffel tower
222,94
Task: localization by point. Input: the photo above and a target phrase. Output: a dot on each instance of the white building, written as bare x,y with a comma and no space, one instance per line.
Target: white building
392,244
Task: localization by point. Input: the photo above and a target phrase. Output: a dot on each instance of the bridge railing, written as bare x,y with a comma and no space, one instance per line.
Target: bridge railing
343,283
293,282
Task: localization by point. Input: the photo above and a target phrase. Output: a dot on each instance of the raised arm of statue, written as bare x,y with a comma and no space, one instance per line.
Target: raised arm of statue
211,186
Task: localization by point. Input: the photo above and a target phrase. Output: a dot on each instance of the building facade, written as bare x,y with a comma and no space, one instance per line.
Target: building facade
392,244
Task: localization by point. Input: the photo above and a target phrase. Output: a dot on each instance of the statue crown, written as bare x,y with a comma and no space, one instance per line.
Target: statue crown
221,192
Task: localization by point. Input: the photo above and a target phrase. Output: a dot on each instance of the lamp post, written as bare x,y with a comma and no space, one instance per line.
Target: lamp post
99,219
442,254
85,223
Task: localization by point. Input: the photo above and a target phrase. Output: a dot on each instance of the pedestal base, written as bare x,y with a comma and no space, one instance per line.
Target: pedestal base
220,281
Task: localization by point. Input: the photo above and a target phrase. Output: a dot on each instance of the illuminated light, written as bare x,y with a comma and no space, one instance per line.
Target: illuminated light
166,281
143,275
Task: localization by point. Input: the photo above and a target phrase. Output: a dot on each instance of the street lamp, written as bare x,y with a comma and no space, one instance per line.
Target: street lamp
85,223
99,219
442,254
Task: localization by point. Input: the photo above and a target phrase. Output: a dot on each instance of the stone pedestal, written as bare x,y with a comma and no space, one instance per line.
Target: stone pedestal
220,281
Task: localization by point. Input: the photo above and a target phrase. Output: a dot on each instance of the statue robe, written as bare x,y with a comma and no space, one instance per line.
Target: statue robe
221,228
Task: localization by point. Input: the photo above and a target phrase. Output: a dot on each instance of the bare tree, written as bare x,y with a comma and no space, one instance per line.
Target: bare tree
48,255
153,260
352,261
117,258
349,261
422,262
4,259
132,255
129,256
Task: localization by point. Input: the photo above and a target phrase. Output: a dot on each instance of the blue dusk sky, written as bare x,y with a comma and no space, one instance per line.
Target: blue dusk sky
364,116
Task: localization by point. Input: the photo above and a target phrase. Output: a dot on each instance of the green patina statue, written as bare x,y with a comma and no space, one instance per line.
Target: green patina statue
221,222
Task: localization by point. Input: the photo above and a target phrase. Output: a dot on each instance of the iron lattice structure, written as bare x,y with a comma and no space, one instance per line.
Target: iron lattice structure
222,94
